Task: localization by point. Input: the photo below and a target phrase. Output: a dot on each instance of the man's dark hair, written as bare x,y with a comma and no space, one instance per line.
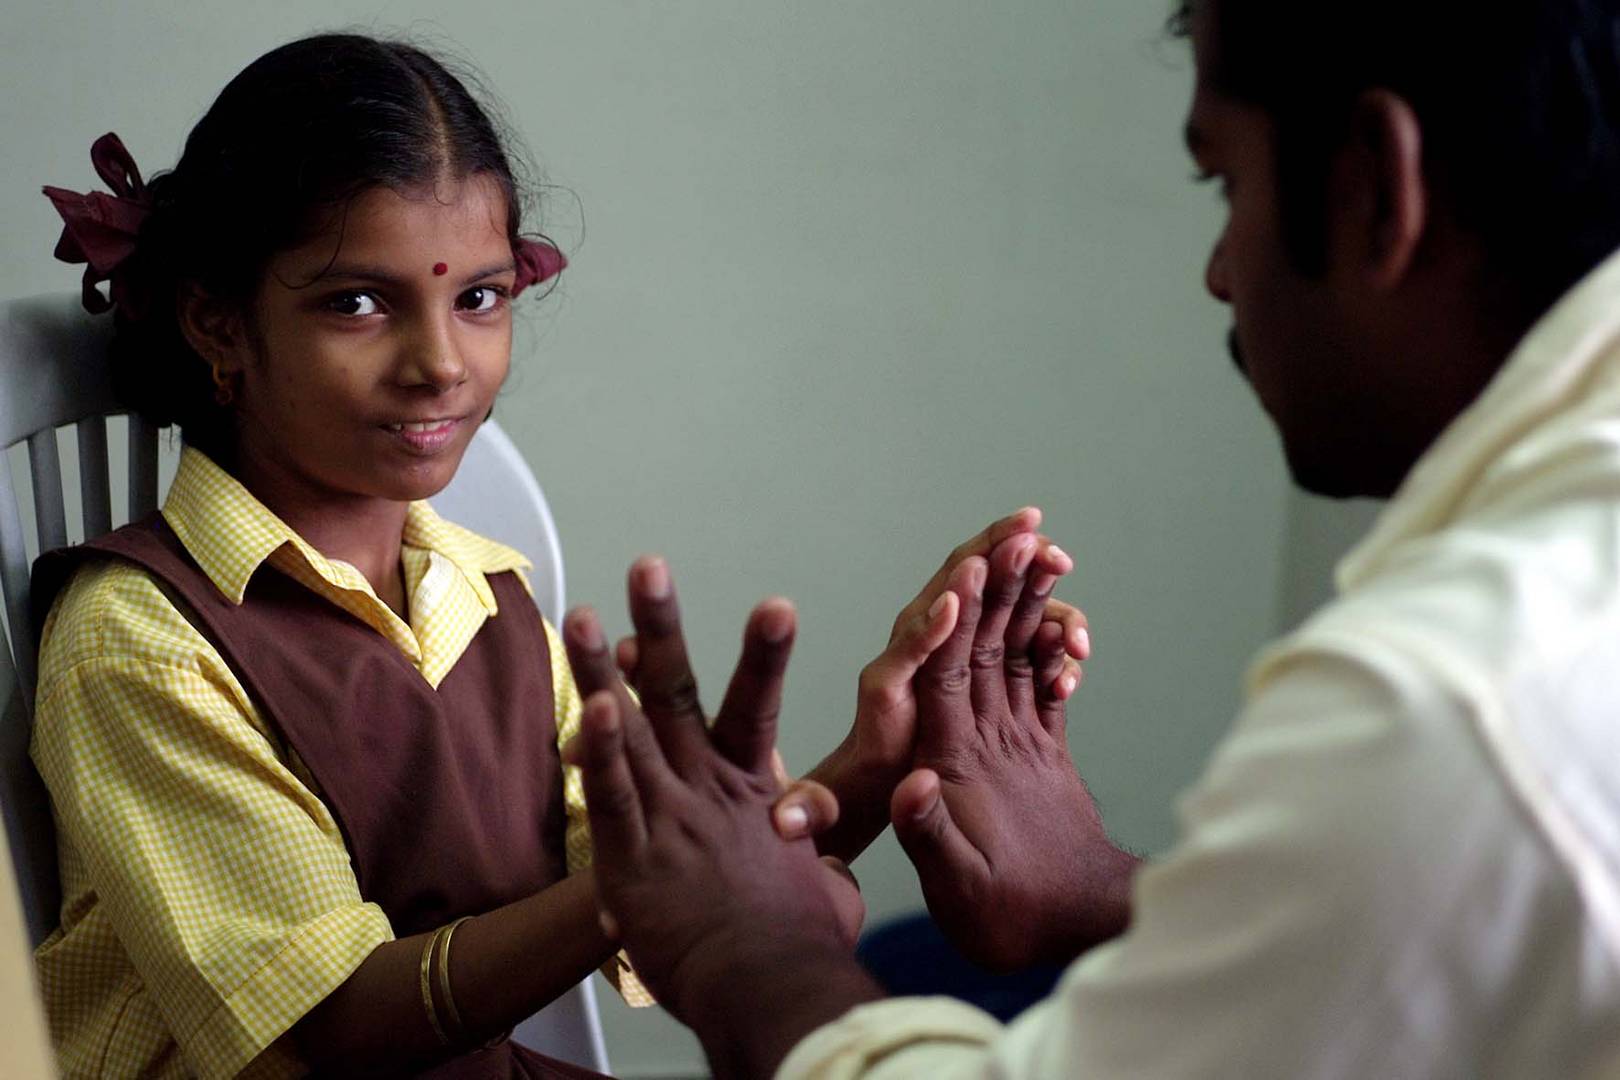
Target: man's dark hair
1519,101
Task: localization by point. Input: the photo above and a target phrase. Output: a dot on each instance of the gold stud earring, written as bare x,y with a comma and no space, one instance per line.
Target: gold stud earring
224,393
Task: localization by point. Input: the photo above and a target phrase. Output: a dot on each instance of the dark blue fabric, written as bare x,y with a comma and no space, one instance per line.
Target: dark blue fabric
910,956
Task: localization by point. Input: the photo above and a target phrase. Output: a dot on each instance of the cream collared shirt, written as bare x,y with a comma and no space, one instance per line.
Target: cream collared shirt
1404,859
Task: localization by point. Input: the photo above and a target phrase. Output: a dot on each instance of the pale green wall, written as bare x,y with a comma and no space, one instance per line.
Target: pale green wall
858,277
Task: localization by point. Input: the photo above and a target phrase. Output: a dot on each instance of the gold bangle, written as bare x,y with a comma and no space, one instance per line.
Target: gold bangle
444,981
427,990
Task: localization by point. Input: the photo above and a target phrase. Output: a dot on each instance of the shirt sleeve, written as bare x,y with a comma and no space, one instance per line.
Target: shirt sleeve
225,879
1321,915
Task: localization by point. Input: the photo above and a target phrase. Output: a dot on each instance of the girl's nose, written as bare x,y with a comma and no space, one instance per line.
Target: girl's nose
434,359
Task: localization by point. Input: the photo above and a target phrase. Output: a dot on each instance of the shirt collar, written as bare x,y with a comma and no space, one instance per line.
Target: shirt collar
474,556
1565,371
230,534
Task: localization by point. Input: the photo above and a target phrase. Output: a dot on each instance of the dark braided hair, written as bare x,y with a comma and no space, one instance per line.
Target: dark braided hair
289,142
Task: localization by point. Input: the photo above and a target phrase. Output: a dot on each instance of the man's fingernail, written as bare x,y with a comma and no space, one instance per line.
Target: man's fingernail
937,606
1069,683
1025,556
775,625
1082,641
792,821
976,578
1058,554
655,579
587,634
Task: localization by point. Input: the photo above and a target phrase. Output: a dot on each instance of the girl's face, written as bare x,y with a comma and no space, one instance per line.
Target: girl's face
377,348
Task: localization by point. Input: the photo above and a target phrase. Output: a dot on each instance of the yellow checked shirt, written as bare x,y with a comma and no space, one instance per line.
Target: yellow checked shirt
208,898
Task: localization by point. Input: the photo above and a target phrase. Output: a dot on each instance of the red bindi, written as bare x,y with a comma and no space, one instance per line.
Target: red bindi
441,269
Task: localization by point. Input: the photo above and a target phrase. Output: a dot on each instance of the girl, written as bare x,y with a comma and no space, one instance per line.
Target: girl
301,734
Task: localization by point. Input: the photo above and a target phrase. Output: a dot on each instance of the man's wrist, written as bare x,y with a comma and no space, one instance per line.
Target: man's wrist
1104,890
808,981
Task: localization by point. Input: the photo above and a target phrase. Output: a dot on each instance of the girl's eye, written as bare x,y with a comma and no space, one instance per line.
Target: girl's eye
353,304
481,298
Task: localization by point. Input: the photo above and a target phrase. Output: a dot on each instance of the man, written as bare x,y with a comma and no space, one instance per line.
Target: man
1404,859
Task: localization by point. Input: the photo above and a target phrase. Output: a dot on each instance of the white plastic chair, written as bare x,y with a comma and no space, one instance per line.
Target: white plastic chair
54,373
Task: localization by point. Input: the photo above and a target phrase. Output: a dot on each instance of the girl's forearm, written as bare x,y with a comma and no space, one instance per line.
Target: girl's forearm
503,966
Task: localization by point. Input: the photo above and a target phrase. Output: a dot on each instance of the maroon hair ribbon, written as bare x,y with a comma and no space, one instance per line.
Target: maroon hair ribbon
537,260
100,229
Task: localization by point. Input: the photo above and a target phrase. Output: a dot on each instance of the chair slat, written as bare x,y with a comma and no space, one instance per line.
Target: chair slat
14,584
45,467
143,467
95,490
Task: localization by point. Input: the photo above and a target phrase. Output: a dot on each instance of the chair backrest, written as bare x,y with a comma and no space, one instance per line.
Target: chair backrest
54,373
494,493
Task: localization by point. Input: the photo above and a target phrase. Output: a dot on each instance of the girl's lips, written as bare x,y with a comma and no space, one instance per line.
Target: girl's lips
424,436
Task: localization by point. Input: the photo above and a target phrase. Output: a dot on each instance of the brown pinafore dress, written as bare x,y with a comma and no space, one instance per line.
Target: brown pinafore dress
450,799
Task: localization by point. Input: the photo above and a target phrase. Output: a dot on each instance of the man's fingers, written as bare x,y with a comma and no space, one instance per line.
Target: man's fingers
806,808
664,679
587,652
745,729
1009,565
947,863
1027,519
943,683
594,672
618,826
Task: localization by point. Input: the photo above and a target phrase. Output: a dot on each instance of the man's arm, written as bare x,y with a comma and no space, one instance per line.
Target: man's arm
738,933
718,913
1008,845
876,755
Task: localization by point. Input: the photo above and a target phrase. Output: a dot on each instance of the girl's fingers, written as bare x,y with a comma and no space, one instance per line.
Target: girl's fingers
1056,676
1076,628
627,656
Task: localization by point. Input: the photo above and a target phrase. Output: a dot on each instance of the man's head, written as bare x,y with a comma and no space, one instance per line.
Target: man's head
1410,184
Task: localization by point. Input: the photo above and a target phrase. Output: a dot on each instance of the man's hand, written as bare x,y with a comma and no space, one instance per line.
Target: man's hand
1008,845
718,912
877,753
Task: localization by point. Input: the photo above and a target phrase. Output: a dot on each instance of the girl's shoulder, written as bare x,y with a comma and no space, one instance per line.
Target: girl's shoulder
112,609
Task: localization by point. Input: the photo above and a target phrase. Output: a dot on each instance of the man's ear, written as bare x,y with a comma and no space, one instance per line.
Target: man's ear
214,330
1380,189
